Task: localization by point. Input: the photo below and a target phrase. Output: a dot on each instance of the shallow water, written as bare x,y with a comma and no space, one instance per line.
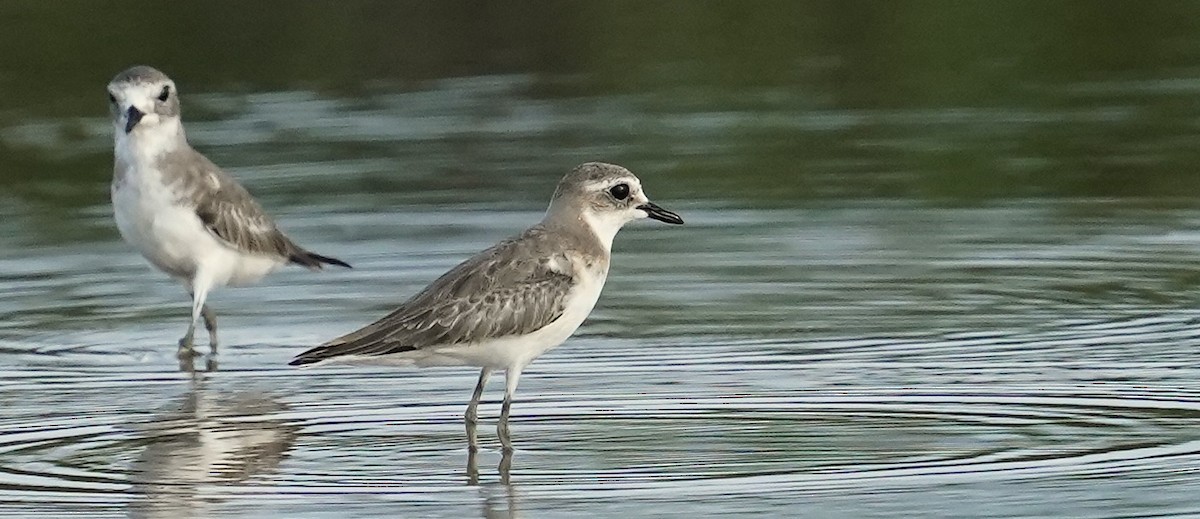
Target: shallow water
1025,359
926,272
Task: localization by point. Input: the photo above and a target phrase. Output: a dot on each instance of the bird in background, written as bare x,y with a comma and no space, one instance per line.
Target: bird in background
189,218
507,305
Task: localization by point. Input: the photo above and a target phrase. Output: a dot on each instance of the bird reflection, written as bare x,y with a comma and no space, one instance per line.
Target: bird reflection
505,468
204,440
499,499
187,363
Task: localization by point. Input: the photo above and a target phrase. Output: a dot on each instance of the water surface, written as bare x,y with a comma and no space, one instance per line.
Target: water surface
1013,360
939,262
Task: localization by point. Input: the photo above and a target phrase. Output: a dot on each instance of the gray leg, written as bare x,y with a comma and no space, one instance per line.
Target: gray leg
199,293
511,377
472,416
185,343
502,427
210,324
186,362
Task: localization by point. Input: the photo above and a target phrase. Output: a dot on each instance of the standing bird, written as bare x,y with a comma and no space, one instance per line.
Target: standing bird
507,305
189,218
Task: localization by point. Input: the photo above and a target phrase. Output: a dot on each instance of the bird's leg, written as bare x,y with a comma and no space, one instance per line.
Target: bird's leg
186,362
472,416
185,343
210,324
210,364
502,427
198,288
511,377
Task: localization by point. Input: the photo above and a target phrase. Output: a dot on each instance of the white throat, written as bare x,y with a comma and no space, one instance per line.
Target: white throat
146,143
604,226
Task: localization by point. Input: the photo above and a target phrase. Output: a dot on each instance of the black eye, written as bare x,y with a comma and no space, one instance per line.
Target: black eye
166,92
619,191
112,98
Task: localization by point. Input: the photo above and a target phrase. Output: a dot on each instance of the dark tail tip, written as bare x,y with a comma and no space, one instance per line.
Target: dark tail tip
313,260
301,360
310,356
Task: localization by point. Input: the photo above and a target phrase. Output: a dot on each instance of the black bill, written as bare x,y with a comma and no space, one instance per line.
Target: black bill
660,214
135,116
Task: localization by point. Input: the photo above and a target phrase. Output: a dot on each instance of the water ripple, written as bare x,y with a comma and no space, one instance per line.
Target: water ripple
810,360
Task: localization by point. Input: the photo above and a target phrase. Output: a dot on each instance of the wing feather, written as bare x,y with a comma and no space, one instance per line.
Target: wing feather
228,210
514,288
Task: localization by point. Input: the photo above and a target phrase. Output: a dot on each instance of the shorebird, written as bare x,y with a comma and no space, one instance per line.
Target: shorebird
507,305
189,218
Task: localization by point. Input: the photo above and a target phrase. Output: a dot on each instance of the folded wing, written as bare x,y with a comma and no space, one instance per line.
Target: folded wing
231,214
510,289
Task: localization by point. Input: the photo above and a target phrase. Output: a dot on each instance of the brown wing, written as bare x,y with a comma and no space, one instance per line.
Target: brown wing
514,288
229,211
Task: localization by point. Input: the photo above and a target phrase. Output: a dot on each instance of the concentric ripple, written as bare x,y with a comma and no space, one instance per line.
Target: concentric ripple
730,424
801,361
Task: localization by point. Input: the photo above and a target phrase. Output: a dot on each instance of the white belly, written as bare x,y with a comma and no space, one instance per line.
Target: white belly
174,239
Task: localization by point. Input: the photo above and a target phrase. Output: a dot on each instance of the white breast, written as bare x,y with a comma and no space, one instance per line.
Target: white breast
168,233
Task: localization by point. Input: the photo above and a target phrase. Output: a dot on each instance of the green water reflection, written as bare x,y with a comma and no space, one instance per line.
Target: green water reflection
765,103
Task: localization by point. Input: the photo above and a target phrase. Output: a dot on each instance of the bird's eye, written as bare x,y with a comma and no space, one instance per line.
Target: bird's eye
619,191
166,92
112,98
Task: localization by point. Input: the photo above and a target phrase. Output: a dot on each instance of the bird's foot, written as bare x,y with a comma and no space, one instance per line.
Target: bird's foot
185,349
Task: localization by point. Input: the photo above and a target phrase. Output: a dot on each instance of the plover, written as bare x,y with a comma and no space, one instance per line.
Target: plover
507,305
189,218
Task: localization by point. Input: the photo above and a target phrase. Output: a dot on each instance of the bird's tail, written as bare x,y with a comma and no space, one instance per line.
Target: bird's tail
313,260
311,356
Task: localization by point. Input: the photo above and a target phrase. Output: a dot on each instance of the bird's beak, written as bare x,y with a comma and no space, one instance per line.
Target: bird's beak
660,214
135,115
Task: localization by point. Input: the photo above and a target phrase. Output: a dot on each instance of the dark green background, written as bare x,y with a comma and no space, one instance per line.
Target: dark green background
948,101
